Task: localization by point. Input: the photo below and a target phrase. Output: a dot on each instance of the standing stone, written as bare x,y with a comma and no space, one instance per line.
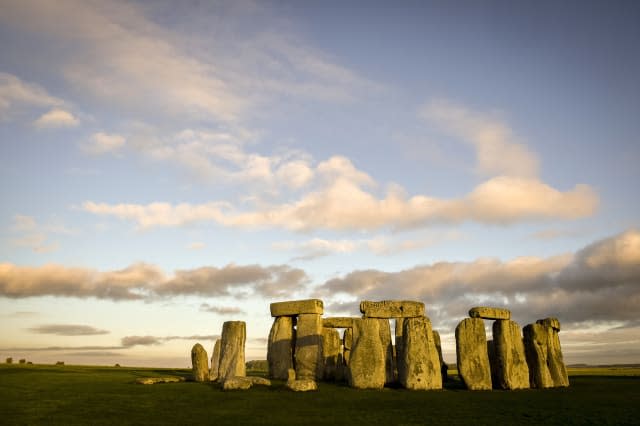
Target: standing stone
308,350
557,369
471,354
347,343
280,347
387,348
367,361
399,346
511,370
234,334
420,362
331,353
489,313
392,309
215,362
443,365
199,363
493,363
536,347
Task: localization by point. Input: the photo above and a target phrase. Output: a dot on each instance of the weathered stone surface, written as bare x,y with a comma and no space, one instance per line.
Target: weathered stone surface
297,307
303,385
392,309
511,370
493,364
443,365
215,361
347,344
156,380
308,349
399,346
234,335
237,383
536,347
367,361
420,362
9,360
330,353
550,322
471,354
555,361
280,347
338,322
199,363
260,381
489,313
387,349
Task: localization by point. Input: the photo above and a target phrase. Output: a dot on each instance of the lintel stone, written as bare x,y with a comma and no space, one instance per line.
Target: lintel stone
392,309
490,313
297,307
338,322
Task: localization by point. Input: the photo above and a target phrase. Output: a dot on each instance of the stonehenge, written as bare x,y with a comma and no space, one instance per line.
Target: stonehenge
304,348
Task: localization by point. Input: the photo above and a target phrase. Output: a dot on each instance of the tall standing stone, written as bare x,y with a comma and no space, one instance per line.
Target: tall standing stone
399,345
331,353
536,347
471,354
215,361
555,361
308,350
511,367
347,344
387,348
443,365
234,335
367,360
420,362
280,347
199,363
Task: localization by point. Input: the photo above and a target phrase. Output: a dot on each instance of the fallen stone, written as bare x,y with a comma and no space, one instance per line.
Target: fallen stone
367,360
443,365
308,348
471,354
555,361
9,360
260,381
421,365
232,342
550,322
330,353
156,380
297,307
338,322
199,363
291,375
536,347
215,361
489,313
304,385
391,309
387,349
237,383
280,347
511,369
22,361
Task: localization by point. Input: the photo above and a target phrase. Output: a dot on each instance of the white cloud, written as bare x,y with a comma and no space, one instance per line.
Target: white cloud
102,143
498,150
196,245
16,94
28,233
56,117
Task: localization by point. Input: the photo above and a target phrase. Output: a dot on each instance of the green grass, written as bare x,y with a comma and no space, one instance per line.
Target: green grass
37,394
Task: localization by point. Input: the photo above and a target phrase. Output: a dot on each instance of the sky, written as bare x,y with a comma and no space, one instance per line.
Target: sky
166,167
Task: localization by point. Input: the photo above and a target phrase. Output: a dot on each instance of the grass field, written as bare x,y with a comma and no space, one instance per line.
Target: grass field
37,394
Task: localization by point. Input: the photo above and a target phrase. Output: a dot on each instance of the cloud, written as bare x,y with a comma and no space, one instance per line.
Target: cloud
56,117
142,281
196,245
102,143
16,94
598,283
345,205
130,341
67,330
222,310
498,150
28,233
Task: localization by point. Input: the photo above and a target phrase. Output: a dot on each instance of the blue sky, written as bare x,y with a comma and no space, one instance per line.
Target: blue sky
166,168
